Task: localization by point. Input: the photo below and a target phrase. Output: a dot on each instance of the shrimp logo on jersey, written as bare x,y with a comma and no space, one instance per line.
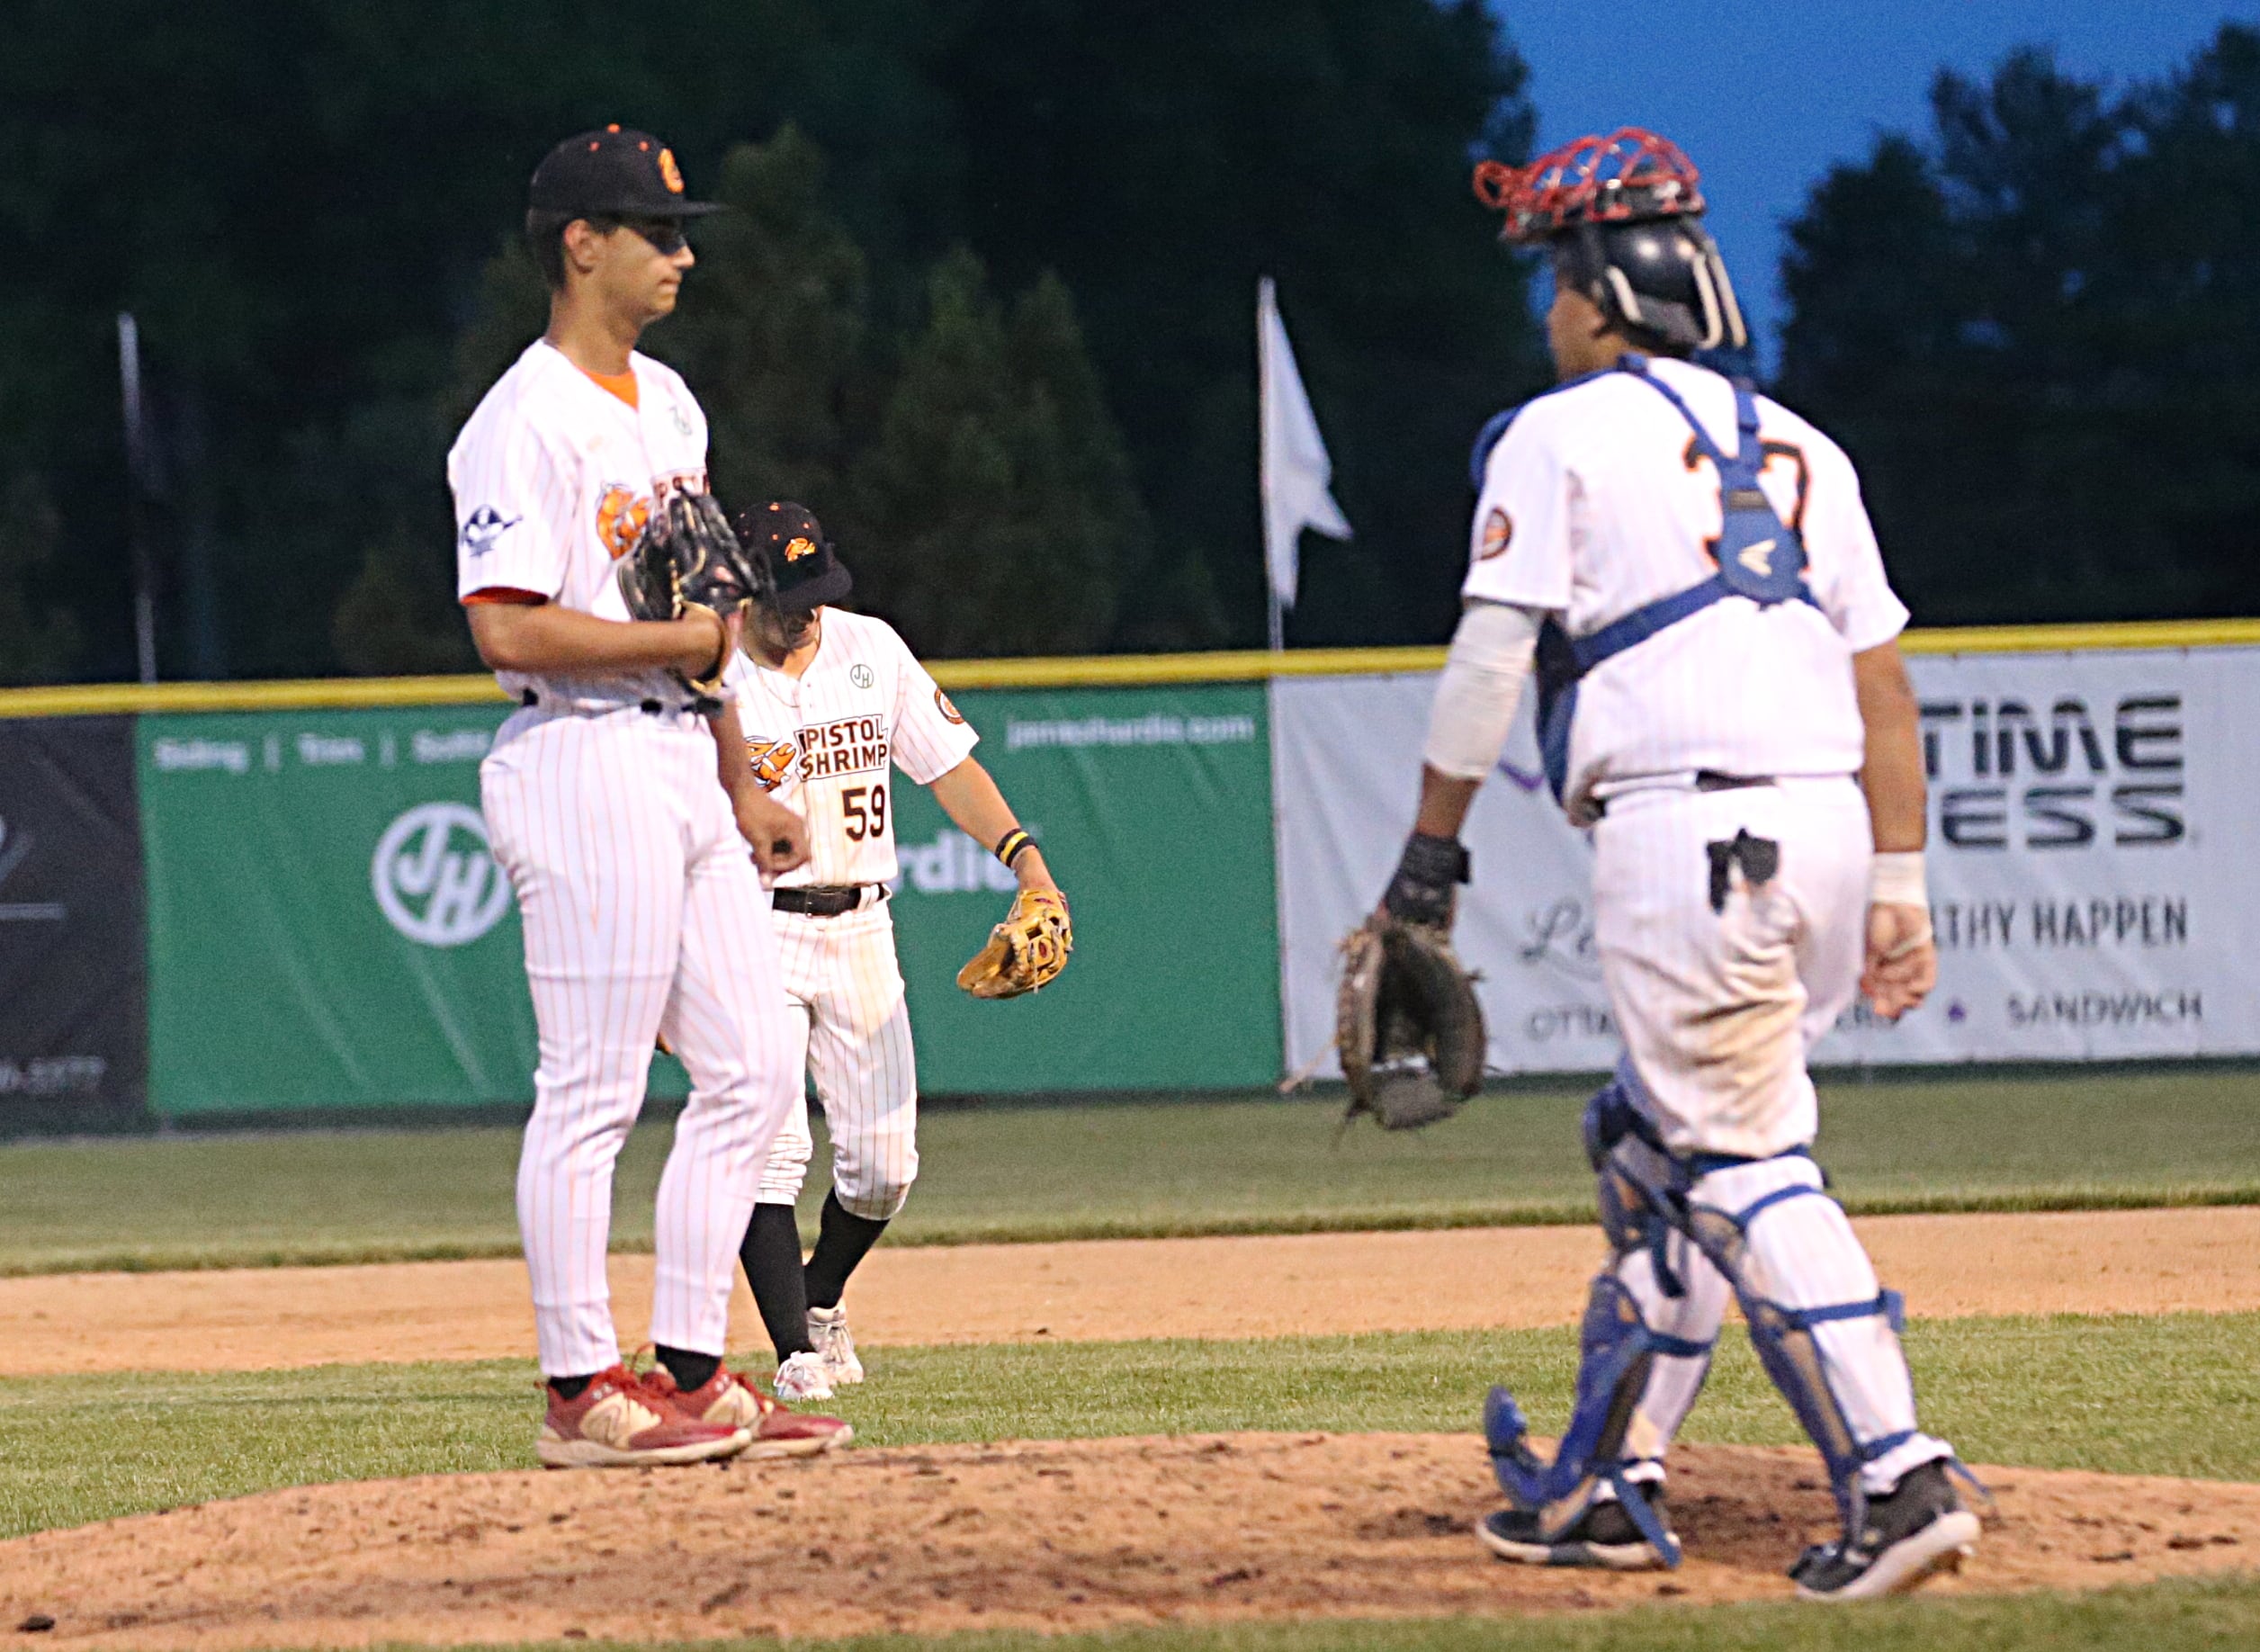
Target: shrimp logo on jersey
620,515
1497,531
949,712
434,877
772,760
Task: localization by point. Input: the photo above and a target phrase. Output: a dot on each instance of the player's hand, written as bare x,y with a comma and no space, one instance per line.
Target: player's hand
708,639
1902,963
777,837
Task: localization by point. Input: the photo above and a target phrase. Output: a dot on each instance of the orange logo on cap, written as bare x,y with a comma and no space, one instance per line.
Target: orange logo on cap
620,515
670,173
795,549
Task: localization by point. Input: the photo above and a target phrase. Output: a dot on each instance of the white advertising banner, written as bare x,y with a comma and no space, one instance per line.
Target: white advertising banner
2093,884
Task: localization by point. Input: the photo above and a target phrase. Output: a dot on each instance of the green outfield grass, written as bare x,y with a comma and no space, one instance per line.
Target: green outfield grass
2165,1394
1121,1169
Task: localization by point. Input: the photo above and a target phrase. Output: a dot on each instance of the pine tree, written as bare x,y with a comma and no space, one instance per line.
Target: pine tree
995,514
36,645
772,326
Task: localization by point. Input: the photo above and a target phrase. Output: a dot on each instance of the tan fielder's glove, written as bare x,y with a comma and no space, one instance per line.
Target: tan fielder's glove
1027,950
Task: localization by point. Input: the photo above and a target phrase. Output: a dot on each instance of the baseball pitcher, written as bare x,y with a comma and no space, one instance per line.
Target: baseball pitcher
605,802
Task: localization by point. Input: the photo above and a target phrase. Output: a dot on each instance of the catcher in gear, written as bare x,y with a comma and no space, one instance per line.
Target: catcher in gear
836,709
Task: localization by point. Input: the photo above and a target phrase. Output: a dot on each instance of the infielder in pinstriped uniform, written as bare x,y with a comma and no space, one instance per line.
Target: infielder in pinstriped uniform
605,802
831,702
1721,698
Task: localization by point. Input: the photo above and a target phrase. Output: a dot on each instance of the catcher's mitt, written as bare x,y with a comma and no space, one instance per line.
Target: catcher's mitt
1407,1025
686,558
1027,950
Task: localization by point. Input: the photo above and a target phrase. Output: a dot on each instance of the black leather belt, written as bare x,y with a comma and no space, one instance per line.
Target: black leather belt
527,696
820,900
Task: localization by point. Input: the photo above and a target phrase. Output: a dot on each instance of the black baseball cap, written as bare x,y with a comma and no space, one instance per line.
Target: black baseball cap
612,173
808,571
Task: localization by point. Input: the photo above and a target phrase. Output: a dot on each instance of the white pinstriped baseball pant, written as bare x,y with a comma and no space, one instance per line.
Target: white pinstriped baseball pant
643,914
1719,1010
843,988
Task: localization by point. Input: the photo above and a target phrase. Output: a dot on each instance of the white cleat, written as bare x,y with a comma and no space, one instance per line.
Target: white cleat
803,1377
827,1329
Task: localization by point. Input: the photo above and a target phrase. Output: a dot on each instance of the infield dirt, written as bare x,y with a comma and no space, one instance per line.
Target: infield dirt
2205,1259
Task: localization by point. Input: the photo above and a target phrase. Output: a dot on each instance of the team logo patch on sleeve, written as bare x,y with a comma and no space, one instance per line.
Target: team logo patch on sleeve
482,528
942,705
1498,529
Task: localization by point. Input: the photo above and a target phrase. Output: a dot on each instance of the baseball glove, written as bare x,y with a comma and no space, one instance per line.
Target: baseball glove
1407,1025
687,558
1027,950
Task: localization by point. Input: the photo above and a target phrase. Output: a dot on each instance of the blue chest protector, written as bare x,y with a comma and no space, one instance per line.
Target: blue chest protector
1759,556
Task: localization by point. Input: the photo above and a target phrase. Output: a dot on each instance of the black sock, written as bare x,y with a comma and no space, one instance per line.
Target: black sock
772,1257
690,1370
571,1388
841,1241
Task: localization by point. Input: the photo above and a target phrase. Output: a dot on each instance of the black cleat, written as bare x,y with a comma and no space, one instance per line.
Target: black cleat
1603,1536
1920,1529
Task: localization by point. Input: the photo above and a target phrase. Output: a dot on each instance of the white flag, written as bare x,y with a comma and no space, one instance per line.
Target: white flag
1296,470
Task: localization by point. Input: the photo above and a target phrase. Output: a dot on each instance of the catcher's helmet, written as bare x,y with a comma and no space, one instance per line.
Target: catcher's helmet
1620,214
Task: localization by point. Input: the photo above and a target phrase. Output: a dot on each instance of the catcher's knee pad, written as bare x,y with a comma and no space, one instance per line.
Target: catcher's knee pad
1800,1253
1616,1351
1640,1189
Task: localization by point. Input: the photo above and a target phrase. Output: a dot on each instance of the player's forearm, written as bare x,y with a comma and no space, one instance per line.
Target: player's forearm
970,797
1892,773
732,767
1444,803
545,637
1476,695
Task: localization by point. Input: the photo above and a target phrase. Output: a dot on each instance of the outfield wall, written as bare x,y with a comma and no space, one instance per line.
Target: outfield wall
231,898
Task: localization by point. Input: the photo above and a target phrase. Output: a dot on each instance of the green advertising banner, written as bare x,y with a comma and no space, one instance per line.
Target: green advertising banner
327,929
326,925
1154,808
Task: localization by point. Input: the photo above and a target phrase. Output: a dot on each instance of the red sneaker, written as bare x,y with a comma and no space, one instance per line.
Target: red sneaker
729,1400
620,1421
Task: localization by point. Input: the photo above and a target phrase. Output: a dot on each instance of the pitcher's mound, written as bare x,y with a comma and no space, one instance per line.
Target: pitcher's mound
1074,1534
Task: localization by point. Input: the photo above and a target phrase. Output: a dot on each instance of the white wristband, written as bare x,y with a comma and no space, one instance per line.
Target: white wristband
1896,880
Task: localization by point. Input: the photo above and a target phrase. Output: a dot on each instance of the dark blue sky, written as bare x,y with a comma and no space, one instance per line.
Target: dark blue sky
1764,97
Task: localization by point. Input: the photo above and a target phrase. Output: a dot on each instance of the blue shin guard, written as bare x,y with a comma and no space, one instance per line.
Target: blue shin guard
1616,1350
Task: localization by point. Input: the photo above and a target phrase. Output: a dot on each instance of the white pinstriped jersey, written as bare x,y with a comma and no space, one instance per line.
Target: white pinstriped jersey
1595,503
823,742
554,477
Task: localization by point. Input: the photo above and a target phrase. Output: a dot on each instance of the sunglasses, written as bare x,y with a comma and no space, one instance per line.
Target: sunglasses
664,234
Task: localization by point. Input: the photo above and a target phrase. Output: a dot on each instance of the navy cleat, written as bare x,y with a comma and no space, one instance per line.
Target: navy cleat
1604,1536
1920,1529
